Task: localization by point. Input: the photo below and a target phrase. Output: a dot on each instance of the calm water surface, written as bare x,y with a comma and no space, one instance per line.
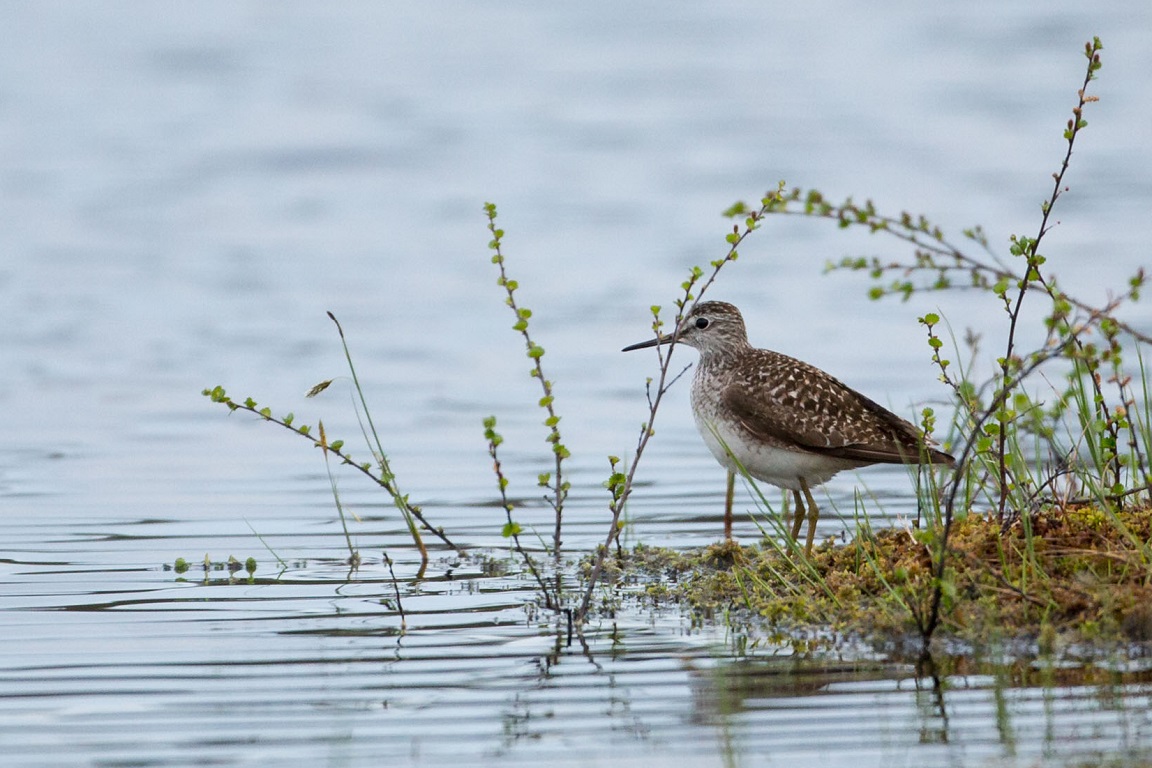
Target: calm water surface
185,190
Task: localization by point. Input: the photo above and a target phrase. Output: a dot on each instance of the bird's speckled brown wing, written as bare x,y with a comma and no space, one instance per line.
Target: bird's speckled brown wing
789,402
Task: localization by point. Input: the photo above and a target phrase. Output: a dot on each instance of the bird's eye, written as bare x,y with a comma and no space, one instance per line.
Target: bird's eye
701,323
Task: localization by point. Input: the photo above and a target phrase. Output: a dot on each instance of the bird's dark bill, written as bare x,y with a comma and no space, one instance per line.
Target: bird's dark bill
649,343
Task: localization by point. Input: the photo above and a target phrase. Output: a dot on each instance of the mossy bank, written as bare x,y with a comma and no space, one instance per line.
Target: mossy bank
1065,576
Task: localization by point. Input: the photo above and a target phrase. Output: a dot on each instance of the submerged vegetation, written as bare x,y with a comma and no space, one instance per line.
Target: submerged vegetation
1042,530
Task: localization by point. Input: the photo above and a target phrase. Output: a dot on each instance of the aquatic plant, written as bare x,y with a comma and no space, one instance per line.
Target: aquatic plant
378,471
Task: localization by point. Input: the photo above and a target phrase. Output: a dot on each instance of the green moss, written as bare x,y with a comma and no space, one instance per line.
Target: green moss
1071,574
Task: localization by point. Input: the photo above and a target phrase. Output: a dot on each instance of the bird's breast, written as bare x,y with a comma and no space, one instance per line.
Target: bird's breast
773,461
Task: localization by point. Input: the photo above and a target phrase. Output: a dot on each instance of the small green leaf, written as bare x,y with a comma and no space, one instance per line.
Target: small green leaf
738,208
615,479
511,529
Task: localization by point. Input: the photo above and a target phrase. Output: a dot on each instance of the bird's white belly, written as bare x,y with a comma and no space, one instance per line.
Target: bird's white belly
771,464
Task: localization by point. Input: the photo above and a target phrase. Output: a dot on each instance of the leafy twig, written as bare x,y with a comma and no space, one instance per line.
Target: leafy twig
1013,374
553,481
218,395
512,528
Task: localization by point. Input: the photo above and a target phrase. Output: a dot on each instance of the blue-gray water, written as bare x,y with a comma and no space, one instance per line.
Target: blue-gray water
185,189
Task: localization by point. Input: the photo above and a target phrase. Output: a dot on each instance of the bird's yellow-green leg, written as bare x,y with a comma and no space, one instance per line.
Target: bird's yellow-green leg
797,516
728,505
813,516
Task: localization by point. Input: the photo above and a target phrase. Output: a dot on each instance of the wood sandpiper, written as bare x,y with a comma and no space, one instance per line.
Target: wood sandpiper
783,421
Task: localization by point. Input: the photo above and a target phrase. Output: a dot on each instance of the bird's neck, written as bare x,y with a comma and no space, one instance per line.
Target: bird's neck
724,355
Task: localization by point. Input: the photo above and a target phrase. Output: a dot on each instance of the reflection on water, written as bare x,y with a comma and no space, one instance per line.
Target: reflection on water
1019,710
184,192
